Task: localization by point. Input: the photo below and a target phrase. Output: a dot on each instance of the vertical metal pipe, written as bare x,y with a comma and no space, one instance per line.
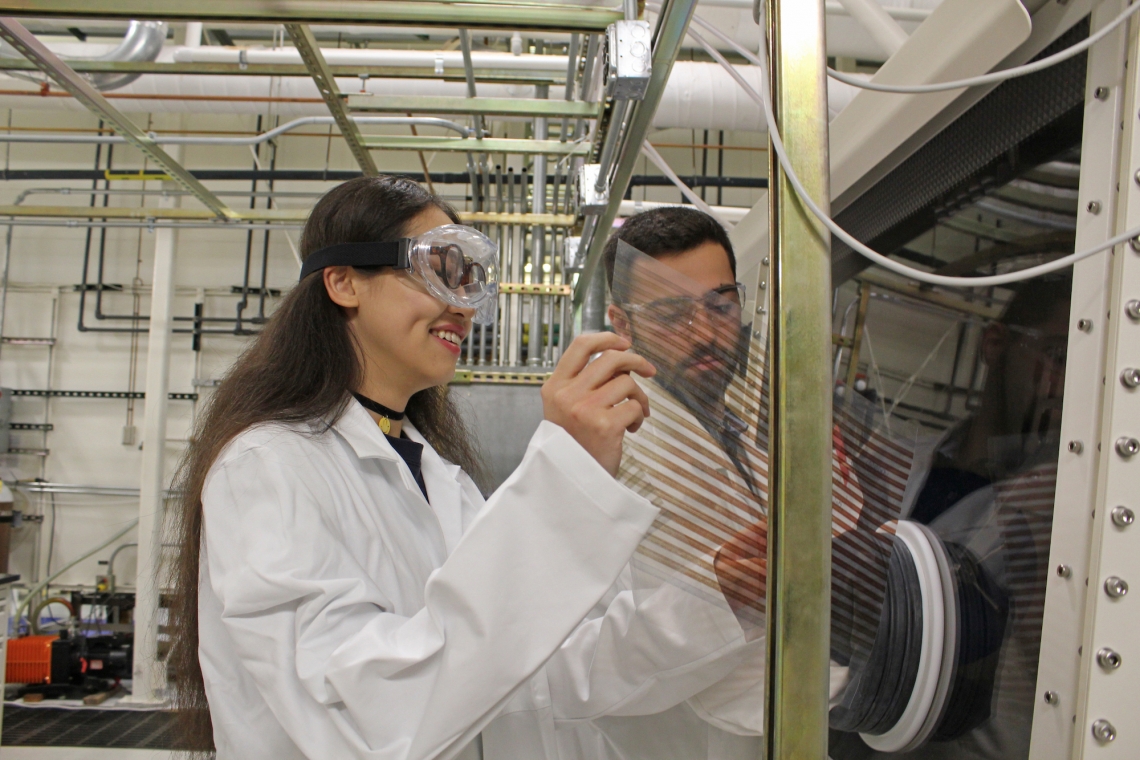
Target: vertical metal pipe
799,530
538,238
594,305
496,345
571,72
148,674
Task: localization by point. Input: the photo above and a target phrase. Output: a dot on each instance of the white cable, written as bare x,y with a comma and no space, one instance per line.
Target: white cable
996,76
44,583
765,101
652,154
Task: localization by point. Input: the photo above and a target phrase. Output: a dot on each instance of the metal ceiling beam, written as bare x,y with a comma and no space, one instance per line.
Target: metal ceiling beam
318,67
672,23
285,215
472,145
490,76
472,14
14,33
474,106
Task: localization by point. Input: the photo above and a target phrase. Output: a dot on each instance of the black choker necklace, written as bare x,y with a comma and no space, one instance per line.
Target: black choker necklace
386,414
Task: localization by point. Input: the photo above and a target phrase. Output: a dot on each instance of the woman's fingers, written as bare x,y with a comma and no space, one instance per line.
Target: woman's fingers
623,388
598,372
597,402
577,356
629,415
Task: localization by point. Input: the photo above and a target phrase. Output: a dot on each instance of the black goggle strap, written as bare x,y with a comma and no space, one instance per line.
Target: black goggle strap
393,253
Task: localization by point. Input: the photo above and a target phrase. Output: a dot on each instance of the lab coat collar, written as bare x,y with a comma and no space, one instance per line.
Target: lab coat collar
358,428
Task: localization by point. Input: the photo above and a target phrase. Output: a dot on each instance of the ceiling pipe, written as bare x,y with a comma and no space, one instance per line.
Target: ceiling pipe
698,95
878,23
438,60
425,121
142,43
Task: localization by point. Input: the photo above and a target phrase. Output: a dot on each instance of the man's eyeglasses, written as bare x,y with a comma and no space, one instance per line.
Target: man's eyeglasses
722,304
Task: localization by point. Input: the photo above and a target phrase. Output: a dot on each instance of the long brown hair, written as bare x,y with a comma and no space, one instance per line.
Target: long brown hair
299,368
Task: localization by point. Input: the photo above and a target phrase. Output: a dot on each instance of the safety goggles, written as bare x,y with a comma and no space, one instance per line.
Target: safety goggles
722,304
457,265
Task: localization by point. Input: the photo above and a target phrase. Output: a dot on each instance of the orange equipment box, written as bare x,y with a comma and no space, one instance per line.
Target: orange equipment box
29,659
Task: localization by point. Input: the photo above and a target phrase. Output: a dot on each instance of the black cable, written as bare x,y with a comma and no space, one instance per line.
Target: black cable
51,538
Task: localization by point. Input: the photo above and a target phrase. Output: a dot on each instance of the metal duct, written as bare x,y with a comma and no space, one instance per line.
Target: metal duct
142,43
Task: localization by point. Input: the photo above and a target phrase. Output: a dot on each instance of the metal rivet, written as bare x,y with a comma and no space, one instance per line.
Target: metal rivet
1134,243
1101,93
1127,446
1064,571
1132,309
759,309
1084,325
1076,447
1109,659
1094,207
766,261
1115,587
1103,731
1130,377
1122,517
1052,697
763,285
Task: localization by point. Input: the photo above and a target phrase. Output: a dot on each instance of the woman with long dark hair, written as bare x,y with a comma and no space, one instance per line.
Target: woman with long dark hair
342,589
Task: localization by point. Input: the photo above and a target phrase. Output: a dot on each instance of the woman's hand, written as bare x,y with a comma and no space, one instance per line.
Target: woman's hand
597,402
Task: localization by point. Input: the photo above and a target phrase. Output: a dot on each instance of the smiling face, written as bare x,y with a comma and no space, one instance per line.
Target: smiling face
408,339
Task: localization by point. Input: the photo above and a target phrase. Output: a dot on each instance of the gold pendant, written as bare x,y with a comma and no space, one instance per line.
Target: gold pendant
385,425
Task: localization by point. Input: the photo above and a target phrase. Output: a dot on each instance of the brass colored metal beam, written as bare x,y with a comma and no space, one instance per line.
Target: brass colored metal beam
318,67
472,145
474,106
466,376
279,215
14,33
472,14
490,76
534,289
799,512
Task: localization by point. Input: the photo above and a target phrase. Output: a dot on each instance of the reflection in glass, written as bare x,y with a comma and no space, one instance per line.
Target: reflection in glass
940,543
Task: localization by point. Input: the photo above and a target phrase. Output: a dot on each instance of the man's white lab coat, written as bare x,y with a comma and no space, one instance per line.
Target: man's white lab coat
342,616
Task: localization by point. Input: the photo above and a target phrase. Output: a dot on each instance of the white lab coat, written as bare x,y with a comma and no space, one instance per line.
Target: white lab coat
343,616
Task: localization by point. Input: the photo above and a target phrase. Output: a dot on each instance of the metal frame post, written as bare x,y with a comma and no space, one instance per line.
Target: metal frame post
1105,725
1059,664
148,676
799,518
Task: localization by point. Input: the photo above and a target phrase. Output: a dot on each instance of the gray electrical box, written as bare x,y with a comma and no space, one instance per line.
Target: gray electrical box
590,201
628,59
573,257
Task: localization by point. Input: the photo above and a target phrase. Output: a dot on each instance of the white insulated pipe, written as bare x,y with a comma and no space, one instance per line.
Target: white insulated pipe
698,95
877,22
437,60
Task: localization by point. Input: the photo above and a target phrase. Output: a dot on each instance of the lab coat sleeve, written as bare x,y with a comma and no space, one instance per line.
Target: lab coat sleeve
648,652
315,632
